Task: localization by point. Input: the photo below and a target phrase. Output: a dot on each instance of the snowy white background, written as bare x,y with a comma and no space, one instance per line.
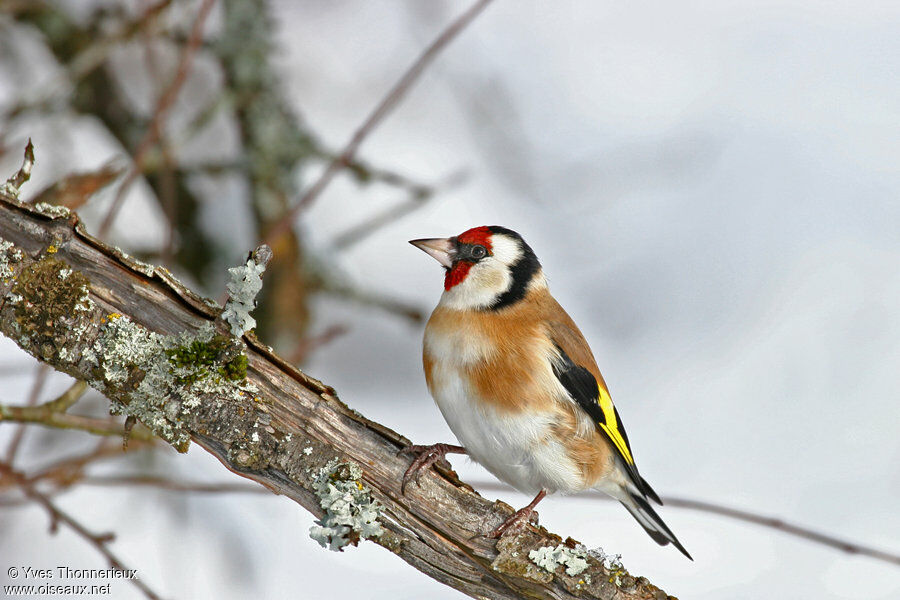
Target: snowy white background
714,192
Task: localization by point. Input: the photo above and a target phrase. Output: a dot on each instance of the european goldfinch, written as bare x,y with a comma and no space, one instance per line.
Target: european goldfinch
518,384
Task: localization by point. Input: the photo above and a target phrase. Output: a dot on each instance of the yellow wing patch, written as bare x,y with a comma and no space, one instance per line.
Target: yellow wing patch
592,395
611,426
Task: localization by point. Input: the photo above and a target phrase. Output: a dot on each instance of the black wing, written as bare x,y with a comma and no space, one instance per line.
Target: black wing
595,400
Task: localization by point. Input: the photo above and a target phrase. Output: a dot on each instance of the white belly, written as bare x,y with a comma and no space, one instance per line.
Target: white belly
517,449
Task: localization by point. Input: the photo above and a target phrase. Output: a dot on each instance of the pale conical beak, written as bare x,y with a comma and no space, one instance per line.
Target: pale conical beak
442,250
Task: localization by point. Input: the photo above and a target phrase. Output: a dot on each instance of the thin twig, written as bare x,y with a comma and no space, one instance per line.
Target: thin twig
783,526
87,60
356,233
53,414
40,377
163,105
311,343
741,515
384,108
142,481
173,485
57,516
67,399
69,471
369,298
366,173
35,415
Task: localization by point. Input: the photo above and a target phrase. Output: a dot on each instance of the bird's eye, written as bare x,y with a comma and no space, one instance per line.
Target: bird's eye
478,252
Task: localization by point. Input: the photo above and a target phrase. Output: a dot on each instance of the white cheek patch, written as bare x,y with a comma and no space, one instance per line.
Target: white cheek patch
487,279
481,287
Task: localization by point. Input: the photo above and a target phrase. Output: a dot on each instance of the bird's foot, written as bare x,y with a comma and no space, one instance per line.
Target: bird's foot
521,518
425,457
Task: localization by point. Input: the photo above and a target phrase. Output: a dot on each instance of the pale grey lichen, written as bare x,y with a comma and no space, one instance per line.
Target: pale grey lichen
351,514
136,264
551,558
54,211
9,255
245,284
9,189
613,562
126,345
132,358
164,377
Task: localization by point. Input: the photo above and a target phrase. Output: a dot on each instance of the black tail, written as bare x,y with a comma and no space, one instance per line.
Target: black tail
648,491
644,514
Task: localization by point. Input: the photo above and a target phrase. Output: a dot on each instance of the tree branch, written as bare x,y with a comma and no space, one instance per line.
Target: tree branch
146,342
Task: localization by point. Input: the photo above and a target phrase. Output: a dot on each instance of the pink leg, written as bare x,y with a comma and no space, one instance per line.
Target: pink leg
427,456
520,518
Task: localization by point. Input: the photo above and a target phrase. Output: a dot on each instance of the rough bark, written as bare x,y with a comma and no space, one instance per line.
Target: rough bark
69,300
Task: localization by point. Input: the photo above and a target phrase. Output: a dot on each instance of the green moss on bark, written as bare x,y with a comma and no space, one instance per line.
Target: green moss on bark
201,359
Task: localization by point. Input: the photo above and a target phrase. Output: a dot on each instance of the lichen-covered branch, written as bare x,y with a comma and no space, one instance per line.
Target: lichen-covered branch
161,354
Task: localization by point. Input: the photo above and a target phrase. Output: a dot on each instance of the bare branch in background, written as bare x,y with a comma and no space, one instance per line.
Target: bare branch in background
163,105
57,516
374,299
98,52
41,415
391,214
54,414
310,344
163,483
275,142
40,378
384,108
84,60
68,471
738,514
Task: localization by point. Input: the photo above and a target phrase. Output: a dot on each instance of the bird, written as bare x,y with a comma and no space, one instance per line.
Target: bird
518,385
